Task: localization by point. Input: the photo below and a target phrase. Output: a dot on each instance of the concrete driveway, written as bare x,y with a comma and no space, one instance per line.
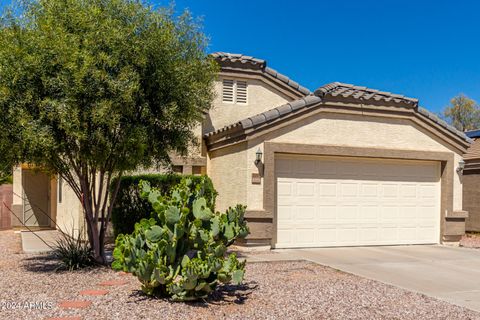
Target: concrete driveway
447,273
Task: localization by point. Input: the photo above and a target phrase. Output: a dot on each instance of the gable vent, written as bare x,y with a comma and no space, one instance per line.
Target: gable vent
234,91
241,95
227,91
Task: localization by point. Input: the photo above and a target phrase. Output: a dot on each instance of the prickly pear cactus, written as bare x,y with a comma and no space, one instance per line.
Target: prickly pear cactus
180,251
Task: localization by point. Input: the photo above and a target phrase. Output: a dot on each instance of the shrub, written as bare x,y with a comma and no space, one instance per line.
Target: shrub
73,252
130,207
180,252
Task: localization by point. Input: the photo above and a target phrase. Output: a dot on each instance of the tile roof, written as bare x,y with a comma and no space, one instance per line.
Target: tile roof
474,151
442,123
237,60
271,114
336,91
344,91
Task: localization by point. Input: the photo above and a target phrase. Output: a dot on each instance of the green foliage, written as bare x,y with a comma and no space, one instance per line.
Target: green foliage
6,179
180,252
130,207
73,252
463,113
92,89
103,81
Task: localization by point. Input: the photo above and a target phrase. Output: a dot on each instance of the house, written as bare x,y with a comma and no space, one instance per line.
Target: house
341,166
471,182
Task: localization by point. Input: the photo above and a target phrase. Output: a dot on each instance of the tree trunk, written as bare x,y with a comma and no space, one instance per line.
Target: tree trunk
95,238
97,207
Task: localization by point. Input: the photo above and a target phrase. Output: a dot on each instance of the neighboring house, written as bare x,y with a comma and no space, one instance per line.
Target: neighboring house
471,182
341,166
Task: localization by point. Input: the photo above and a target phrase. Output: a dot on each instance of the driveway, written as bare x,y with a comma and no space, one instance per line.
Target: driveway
447,273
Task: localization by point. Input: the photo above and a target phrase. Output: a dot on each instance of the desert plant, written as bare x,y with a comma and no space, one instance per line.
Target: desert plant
130,207
180,253
73,252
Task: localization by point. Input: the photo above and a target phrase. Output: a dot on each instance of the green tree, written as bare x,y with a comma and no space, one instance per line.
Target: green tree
463,113
95,88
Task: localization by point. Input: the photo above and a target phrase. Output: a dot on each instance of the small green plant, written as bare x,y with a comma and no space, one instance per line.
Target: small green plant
73,252
180,252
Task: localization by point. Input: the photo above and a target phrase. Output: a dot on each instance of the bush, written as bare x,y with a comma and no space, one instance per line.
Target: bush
180,252
130,207
73,252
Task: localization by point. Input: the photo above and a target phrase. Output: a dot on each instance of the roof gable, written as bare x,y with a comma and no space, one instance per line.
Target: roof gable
334,96
239,62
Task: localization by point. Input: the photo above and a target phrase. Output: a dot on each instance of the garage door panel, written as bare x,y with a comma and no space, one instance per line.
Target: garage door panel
308,214
369,235
325,235
327,212
322,202
285,212
306,189
368,213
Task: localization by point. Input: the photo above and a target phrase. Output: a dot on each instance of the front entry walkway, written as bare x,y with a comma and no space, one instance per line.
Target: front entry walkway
39,241
447,273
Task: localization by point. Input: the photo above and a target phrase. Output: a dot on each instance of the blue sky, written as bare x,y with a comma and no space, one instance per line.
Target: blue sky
423,49
420,48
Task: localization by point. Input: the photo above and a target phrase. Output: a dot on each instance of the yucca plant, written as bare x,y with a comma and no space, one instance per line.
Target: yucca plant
73,252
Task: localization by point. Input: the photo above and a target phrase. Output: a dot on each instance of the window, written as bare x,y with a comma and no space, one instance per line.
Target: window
199,170
234,91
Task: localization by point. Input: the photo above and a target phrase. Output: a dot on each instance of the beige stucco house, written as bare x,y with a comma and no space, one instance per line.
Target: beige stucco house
341,166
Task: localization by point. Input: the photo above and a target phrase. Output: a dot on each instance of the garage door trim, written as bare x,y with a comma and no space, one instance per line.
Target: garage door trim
272,148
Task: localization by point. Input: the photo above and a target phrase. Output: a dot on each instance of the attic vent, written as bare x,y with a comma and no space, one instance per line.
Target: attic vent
227,92
234,91
241,92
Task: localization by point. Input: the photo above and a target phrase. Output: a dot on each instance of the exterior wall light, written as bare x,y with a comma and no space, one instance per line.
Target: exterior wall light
461,166
258,156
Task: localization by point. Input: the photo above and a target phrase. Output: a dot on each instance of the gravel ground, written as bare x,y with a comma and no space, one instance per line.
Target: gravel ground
280,290
470,240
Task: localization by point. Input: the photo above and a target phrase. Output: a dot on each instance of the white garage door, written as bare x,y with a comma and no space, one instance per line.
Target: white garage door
325,201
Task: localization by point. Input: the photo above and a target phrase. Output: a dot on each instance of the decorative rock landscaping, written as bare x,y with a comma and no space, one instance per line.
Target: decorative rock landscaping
278,290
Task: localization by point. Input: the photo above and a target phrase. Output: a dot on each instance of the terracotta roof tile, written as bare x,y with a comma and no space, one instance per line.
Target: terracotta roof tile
239,60
345,90
474,151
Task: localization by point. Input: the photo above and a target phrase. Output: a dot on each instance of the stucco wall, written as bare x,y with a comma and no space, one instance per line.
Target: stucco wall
352,131
226,168
69,211
261,97
17,186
